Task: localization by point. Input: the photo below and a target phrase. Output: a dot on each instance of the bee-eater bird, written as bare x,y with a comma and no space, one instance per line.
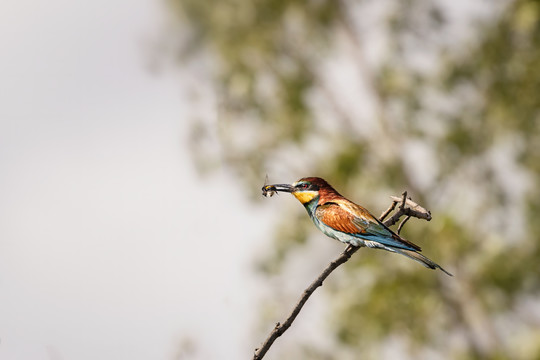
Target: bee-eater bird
346,221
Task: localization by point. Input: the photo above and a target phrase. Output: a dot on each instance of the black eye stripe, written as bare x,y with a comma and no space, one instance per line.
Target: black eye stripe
307,186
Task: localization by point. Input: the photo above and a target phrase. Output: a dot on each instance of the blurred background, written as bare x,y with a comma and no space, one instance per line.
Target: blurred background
135,137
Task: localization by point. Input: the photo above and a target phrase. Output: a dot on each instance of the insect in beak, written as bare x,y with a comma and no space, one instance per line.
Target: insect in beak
270,190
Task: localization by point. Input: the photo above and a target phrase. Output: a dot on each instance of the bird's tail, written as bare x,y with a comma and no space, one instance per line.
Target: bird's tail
421,259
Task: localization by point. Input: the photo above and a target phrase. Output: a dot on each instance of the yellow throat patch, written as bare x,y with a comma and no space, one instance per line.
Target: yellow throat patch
305,196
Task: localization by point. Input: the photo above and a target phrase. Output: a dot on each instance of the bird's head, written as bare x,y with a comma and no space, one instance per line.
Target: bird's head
305,189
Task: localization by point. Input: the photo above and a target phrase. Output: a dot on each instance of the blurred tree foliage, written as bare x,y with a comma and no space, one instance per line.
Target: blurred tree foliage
378,96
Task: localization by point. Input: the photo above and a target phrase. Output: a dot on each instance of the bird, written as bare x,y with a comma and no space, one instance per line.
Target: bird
343,220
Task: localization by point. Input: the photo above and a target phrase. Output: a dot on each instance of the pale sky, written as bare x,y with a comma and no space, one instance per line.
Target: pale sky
111,247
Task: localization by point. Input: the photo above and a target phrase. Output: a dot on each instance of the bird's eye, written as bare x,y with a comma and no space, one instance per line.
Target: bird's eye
305,186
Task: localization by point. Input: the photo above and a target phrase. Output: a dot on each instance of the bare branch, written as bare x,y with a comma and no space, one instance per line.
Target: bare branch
412,209
279,329
406,207
403,200
388,211
403,223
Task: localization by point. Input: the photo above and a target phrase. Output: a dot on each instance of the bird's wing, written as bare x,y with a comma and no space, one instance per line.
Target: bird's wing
348,217
337,218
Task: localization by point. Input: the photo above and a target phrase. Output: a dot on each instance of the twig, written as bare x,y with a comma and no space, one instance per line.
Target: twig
388,211
403,223
403,200
415,211
279,329
412,209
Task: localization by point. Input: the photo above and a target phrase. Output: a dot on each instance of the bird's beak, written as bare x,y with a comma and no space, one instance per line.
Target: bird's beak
281,187
269,190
